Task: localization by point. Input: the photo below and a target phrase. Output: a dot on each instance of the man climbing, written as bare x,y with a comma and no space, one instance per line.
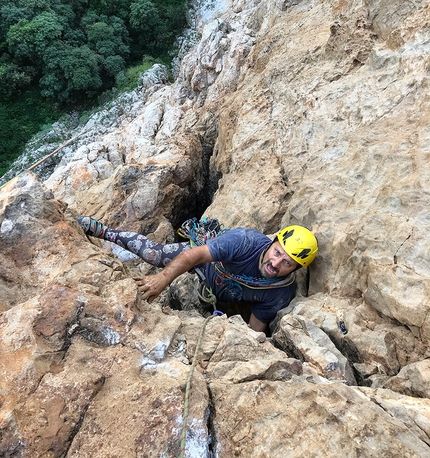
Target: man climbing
242,265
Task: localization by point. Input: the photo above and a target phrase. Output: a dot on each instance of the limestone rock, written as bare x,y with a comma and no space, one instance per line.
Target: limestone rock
300,338
240,357
413,380
283,112
413,412
265,418
381,345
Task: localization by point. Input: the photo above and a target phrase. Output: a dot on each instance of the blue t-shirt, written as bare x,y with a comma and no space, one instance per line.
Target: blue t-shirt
239,251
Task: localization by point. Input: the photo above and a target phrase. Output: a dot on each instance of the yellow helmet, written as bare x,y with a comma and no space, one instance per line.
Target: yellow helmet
299,243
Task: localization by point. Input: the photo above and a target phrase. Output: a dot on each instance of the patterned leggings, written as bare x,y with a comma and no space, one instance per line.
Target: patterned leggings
156,254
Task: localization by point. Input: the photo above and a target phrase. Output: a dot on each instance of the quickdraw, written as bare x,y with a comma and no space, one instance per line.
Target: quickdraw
198,232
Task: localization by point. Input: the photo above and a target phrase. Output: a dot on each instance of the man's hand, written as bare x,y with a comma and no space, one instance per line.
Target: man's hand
151,286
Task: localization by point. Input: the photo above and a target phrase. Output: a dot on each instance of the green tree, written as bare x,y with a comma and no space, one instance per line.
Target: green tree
144,16
21,41
10,14
28,40
114,65
74,37
81,70
69,72
66,13
155,23
108,38
146,24
118,8
13,79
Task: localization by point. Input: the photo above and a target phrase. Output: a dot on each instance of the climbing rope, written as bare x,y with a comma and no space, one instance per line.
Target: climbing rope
45,158
207,296
256,282
188,385
198,232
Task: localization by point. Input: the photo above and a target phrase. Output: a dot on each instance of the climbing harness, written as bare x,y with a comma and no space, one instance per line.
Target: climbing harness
188,384
198,232
254,283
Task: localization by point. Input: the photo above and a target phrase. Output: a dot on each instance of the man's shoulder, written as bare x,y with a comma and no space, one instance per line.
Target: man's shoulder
236,243
248,232
244,236
247,239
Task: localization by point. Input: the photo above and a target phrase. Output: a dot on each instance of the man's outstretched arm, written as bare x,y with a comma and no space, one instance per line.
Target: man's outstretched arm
152,285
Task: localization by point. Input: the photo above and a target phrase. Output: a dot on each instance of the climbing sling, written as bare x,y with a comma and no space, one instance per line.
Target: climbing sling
198,232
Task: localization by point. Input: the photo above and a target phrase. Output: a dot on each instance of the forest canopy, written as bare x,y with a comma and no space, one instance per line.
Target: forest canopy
62,53
76,48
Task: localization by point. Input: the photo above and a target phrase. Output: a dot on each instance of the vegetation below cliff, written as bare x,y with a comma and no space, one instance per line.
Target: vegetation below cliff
60,56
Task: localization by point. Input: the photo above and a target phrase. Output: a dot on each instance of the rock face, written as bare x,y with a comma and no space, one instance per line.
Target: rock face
305,112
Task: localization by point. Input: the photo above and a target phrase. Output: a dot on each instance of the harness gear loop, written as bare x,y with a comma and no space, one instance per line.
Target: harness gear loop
198,232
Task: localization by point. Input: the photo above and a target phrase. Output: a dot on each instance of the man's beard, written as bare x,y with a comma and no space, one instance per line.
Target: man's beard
266,274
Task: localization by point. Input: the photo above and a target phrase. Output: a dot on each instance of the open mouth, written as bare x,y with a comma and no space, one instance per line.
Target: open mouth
270,269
